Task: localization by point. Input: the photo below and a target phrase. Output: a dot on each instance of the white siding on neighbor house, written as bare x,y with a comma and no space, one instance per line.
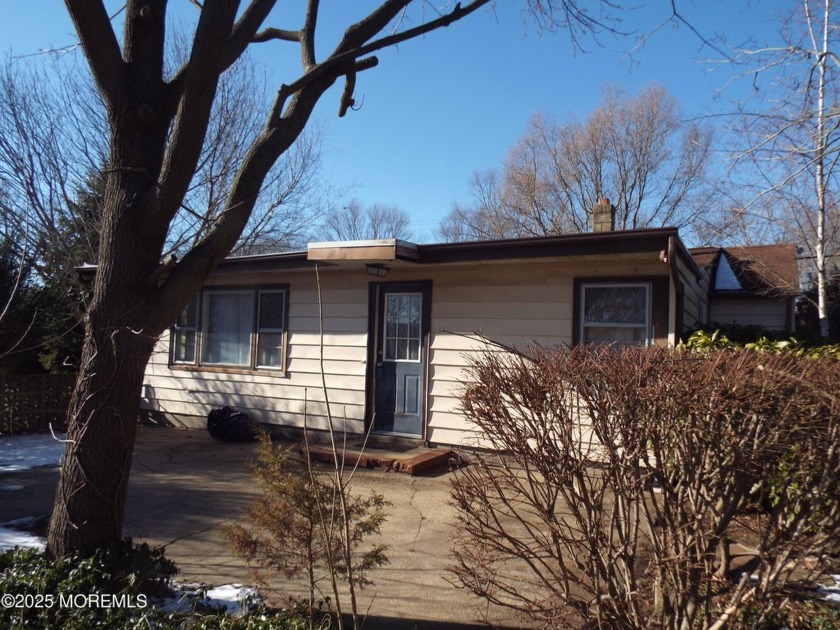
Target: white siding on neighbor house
769,314
512,303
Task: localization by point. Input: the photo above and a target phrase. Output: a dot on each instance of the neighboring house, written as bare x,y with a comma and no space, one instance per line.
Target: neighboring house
755,285
396,321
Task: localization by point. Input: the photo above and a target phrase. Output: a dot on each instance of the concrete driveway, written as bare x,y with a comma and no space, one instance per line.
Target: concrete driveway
185,486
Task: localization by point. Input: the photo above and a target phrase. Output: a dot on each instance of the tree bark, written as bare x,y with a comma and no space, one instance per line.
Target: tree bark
124,319
820,178
90,499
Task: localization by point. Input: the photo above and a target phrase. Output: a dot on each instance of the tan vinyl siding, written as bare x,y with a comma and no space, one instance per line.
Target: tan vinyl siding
284,399
514,303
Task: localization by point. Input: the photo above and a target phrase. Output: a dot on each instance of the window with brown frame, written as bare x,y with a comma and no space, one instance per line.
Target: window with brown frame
238,328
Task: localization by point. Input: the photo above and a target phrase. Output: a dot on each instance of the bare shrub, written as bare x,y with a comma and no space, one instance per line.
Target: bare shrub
618,489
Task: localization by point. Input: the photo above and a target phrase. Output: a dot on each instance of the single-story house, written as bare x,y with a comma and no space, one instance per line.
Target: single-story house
751,286
393,322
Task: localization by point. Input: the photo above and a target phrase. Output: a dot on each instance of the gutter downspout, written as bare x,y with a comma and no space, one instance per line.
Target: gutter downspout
678,289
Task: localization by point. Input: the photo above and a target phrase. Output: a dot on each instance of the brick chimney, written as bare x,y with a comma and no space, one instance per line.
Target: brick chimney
603,216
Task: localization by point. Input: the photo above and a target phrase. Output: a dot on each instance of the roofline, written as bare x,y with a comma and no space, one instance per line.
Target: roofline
620,242
255,262
556,246
550,240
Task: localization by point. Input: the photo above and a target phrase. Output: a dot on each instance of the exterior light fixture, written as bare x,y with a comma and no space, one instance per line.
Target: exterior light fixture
378,270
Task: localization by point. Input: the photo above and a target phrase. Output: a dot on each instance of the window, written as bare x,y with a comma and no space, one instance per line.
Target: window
270,325
226,328
184,334
615,313
402,326
232,328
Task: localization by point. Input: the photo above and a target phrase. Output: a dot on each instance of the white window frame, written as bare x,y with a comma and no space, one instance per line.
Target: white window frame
648,335
265,330
178,330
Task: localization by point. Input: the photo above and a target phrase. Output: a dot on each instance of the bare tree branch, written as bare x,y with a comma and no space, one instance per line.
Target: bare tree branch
100,44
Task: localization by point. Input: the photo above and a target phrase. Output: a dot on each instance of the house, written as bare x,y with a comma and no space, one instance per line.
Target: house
392,323
751,286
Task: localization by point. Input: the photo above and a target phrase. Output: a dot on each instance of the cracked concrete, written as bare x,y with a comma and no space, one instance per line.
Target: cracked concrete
185,486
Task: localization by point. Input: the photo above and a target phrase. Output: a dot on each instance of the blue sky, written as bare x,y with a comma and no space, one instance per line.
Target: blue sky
439,108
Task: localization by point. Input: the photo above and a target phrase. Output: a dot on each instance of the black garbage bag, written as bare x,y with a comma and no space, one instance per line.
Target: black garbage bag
232,425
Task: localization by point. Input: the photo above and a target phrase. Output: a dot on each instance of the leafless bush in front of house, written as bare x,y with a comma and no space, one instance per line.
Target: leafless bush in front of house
618,493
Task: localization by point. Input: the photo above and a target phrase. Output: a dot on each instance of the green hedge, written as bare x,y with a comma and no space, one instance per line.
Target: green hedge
703,340
117,588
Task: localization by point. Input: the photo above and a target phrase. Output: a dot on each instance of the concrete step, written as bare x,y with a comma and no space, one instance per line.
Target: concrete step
414,462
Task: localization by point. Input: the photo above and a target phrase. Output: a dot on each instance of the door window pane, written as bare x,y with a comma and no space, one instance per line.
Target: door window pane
402,326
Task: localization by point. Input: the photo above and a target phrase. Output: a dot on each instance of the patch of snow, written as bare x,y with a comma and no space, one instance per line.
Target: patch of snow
11,536
831,593
231,598
725,279
22,452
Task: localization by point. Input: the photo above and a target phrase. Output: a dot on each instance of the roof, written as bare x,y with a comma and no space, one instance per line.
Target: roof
757,270
648,241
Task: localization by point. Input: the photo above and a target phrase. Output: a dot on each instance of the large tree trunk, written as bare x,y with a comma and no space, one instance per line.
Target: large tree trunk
124,319
90,499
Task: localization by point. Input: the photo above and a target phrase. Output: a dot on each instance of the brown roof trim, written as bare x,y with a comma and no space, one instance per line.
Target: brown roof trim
539,246
651,240
618,242
259,262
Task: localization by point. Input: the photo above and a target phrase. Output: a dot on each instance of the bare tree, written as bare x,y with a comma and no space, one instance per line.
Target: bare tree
157,126
50,144
288,206
637,152
354,222
52,147
789,136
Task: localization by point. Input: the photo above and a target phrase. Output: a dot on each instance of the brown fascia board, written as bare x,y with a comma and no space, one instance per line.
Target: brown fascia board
256,262
261,262
619,242
623,242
